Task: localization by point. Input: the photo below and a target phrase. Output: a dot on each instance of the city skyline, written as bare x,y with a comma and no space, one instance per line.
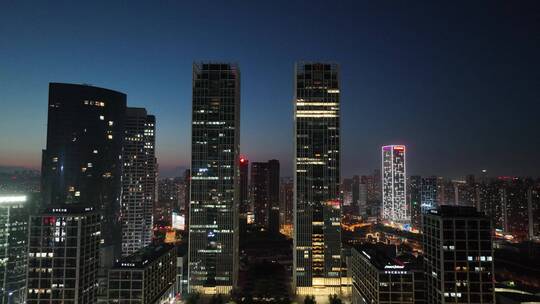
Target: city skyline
381,49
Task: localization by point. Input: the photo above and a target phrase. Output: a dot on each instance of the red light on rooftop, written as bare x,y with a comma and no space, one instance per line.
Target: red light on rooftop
400,148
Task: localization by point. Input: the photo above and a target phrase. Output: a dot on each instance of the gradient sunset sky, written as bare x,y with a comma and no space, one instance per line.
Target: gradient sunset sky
458,83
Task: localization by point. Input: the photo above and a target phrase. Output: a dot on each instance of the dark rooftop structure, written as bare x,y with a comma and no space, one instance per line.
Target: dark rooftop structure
453,211
144,256
384,257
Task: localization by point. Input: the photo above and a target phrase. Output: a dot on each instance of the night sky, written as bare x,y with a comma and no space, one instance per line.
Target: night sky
458,84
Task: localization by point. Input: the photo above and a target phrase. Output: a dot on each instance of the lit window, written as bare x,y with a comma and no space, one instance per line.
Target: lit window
101,117
111,122
109,136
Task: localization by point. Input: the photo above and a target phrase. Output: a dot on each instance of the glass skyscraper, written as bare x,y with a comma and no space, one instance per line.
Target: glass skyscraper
138,180
215,178
317,230
82,161
393,183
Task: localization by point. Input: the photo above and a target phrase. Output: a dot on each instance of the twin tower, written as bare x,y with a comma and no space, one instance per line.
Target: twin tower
214,231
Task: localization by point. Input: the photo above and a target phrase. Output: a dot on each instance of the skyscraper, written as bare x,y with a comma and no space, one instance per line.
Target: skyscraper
215,174
82,161
14,213
414,195
429,193
265,190
138,180
458,256
393,183
317,231
63,255
244,186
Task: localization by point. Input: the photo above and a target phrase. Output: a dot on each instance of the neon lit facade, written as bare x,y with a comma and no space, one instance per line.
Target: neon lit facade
317,206
215,178
393,181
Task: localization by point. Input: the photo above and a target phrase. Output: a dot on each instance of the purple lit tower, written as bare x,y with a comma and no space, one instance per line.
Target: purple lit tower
393,184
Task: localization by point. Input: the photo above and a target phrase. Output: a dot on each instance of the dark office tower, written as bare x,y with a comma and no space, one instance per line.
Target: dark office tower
14,213
287,204
63,255
415,200
259,192
273,183
458,256
215,178
429,193
82,162
138,180
317,230
244,190
355,190
265,190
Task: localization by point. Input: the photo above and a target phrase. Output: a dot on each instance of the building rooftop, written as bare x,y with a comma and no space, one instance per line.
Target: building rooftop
68,209
384,257
144,256
456,211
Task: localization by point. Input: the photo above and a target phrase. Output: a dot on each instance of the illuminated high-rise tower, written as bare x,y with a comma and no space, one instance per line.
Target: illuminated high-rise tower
317,230
393,184
138,180
215,177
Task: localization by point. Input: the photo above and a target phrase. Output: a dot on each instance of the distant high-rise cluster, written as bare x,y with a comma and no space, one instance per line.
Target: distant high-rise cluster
104,229
394,206
317,231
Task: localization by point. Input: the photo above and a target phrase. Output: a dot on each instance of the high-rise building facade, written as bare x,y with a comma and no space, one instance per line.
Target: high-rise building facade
286,208
145,276
63,255
458,256
82,162
379,277
244,186
138,180
414,195
317,229
14,213
429,193
393,183
265,190
215,174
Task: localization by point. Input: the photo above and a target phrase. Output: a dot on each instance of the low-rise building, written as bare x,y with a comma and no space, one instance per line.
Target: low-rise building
146,277
378,276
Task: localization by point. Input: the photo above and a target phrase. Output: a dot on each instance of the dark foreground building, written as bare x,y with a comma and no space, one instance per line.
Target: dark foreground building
148,276
63,255
378,276
458,256
82,160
